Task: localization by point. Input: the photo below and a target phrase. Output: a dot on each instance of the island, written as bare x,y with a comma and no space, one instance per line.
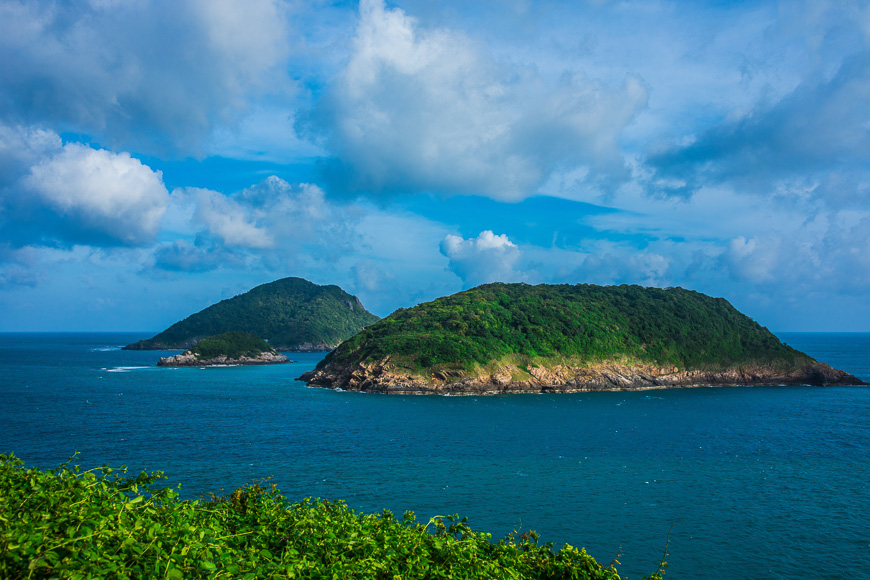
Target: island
517,338
229,348
293,314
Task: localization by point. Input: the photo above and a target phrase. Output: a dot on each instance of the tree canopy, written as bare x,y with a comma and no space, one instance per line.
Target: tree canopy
585,322
290,313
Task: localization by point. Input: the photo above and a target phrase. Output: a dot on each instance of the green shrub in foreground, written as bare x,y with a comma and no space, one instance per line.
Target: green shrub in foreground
68,523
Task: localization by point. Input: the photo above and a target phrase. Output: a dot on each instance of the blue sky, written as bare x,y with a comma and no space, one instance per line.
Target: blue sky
156,157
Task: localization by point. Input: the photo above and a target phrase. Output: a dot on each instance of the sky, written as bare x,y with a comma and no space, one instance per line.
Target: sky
158,156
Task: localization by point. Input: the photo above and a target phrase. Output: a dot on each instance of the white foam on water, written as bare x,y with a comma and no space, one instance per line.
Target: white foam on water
125,369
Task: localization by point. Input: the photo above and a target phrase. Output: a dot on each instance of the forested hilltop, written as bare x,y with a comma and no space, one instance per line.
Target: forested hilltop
291,313
516,337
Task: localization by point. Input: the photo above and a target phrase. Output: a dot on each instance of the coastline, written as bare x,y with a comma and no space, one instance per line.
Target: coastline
383,378
190,360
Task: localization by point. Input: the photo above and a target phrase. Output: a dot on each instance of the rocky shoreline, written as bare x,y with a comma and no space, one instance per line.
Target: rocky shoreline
383,377
189,359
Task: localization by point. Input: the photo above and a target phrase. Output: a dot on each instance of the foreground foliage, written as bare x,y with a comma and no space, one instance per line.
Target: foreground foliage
231,344
583,322
89,524
288,313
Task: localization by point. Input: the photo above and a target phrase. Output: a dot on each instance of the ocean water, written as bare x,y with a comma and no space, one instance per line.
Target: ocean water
763,482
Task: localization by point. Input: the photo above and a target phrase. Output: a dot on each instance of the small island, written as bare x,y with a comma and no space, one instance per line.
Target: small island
227,349
516,338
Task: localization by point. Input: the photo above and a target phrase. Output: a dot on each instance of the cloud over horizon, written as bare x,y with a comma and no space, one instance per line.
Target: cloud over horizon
486,258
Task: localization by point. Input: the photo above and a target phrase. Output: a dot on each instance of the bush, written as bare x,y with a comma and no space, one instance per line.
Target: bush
231,344
87,524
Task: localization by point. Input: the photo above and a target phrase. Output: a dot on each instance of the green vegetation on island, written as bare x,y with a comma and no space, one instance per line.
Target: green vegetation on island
229,348
231,345
580,324
291,313
69,523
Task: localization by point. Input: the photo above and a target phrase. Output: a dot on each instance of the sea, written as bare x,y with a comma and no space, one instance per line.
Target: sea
761,482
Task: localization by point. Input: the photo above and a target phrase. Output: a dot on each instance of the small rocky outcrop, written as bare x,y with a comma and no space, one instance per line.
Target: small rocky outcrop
384,377
189,359
229,348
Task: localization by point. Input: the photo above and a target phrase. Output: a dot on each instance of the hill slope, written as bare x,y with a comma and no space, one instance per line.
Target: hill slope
291,313
516,337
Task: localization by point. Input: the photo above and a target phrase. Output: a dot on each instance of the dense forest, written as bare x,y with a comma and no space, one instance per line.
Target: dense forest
291,313
580,323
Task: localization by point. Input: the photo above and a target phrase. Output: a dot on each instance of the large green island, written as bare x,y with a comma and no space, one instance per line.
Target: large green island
516,338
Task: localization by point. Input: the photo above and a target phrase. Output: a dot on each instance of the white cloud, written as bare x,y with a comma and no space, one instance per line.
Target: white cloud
228,220
267,226
419,109
151,75
21,147
100,193
486,258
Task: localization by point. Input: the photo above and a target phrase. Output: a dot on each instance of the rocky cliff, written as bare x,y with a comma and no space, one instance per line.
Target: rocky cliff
384,377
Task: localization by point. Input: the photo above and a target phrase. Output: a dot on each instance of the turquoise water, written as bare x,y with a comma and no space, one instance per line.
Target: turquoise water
765,482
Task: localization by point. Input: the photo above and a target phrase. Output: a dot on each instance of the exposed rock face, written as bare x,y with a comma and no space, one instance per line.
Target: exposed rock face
188,359
383,377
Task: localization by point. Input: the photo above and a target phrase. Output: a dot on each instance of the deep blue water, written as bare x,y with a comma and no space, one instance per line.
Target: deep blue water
764,482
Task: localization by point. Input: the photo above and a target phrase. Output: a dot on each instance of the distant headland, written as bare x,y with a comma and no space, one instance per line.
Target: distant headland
293,314
516,338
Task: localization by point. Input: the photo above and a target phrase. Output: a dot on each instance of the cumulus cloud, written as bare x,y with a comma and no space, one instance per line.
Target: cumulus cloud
265,226
22,147
174,69
102,196
419,109
229,220
301,215
56,194
486,258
